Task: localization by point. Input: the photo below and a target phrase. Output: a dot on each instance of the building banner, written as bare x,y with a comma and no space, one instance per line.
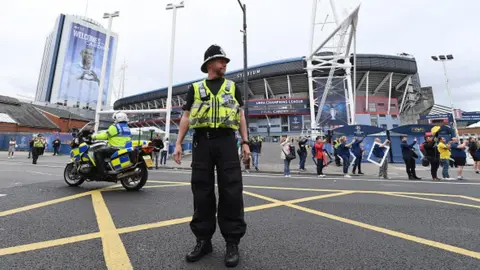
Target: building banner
295,122
82,67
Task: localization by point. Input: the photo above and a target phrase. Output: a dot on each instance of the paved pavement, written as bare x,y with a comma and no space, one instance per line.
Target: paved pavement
293,223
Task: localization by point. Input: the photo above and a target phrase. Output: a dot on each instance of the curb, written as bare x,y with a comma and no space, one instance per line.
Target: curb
257,172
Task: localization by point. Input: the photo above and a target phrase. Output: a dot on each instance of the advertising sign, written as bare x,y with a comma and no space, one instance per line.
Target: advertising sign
279,112
334,111
82,66
295,122
277,102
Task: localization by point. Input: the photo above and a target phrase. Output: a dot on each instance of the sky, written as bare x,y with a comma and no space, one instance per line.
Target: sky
277,29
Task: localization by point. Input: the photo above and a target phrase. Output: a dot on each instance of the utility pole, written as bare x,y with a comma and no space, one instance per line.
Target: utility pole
245,64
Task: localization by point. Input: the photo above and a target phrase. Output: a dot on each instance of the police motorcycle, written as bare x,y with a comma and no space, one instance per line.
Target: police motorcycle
128,165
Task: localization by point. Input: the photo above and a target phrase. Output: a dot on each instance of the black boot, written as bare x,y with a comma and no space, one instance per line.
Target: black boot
202,248
232,257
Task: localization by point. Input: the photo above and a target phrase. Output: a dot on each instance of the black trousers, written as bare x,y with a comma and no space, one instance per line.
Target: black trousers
36,151
434,165
55,150
218,151
100,155
320,166
358,163
410,165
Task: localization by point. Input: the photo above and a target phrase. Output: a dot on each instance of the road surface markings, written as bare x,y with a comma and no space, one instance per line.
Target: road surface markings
3,195
339,178
431,200
408,237
114,251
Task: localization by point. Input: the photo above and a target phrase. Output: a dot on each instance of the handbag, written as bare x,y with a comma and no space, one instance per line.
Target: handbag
288,156
425,162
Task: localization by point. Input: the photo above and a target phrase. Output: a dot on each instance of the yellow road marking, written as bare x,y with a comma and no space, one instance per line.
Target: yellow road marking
247,209
470,198
152,186
330,190
42,204
433,200
116,256
49,243
408,237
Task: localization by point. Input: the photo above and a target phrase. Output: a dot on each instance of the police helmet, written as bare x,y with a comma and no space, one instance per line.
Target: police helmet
120,117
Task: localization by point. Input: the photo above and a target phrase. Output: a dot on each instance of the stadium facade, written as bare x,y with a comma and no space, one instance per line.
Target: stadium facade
279,100
71,64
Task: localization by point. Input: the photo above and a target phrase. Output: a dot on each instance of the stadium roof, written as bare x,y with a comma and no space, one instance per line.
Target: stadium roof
378,67
24,114
440,109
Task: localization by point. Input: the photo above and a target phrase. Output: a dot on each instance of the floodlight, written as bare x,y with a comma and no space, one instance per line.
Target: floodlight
435,58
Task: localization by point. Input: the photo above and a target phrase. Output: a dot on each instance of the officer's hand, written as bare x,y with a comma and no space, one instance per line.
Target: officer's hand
177,155
245,151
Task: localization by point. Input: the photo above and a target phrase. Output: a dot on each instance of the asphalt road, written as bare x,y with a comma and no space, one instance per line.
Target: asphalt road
293,223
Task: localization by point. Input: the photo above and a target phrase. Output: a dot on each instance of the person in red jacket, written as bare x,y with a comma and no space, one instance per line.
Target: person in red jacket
320,155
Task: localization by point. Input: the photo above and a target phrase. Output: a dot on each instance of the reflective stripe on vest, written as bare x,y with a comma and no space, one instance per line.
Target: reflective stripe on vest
215,111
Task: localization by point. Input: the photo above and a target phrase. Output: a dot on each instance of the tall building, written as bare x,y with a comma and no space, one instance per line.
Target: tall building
72,63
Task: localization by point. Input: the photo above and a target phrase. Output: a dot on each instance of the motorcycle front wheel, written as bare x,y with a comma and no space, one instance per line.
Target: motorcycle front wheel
71,178
136,182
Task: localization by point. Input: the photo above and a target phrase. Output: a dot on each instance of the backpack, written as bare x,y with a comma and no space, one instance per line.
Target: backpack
292,151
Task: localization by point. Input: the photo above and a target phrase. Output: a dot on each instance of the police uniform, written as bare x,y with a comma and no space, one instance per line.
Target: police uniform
118,136
37,148
214,107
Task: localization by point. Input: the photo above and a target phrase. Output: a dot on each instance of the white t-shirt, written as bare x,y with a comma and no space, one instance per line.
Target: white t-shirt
165,146
12,143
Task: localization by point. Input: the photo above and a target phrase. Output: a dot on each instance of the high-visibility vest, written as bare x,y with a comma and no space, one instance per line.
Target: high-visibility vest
118,135
337,144
215,111
38,143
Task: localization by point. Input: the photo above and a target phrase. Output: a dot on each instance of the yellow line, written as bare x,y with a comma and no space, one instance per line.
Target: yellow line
42,204
49,243
330,190
153,186
116,256
433,200
412,238
470,198
167,182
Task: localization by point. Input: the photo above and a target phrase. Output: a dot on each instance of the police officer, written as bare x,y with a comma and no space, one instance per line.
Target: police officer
118,135
37,148
214,108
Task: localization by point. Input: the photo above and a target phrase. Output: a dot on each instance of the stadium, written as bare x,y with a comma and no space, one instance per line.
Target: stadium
279,102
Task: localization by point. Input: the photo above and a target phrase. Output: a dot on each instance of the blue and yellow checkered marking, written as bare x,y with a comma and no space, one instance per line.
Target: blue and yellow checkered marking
83,147
121,162
75,154
121,152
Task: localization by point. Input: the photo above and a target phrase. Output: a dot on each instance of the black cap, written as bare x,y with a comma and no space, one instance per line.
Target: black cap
213,52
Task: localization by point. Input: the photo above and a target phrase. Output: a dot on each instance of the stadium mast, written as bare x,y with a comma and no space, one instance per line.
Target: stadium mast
333,54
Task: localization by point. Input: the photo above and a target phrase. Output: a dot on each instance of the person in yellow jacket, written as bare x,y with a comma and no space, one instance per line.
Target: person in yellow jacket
214,109
445,153
38,146
118,135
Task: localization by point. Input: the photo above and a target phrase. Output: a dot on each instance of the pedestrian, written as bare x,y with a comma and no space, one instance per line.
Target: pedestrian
12,144
56,146
164,153
158,144
302,152
409,155
472,150
379,153
344,153
445,154
459,156
320,155
336,144
357,152
286,155
30,146
38,146
432,155
255,145
214,109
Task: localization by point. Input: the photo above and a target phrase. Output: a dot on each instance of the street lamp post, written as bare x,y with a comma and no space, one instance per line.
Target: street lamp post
173,7
443,58
106,48
245,75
